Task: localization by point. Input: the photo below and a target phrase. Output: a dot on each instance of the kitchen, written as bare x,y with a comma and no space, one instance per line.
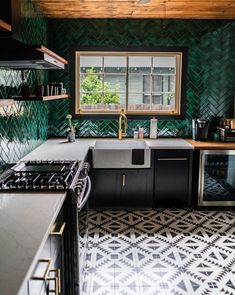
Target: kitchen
153,227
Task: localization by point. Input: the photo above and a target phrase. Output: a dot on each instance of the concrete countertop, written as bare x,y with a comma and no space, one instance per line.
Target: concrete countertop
61,149
168,143
25,222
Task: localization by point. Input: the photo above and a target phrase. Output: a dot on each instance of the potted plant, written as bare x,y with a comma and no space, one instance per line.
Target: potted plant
71,129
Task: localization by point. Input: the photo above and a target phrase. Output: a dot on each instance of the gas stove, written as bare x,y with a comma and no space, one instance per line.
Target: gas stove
68,176
46,176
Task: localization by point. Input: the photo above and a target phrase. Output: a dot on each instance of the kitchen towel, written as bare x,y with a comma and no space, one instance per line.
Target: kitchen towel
138,157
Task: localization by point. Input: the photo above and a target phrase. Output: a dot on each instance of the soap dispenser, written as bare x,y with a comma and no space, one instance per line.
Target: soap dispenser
153,128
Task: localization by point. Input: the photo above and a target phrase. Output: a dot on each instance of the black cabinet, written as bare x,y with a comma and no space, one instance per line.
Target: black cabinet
106,188
172,177
49,272
121,188
136,188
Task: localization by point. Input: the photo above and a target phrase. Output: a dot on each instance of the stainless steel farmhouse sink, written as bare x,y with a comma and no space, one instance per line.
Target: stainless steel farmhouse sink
119,153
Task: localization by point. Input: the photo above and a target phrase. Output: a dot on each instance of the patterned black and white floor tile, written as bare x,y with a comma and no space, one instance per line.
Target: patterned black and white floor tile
159,252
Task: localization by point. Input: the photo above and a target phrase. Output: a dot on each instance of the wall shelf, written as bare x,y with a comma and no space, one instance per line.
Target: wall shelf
40,98
6,102
4,26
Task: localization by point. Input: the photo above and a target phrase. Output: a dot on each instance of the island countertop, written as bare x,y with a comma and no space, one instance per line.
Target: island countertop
25,222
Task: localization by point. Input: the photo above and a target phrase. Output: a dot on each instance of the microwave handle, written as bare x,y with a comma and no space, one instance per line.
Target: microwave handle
85,198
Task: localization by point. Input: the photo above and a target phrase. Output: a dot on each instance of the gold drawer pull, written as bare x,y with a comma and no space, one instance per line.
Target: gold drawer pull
57,280
123,180
58,233
45,275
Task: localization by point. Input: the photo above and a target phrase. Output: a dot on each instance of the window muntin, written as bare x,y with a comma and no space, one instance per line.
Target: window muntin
140,83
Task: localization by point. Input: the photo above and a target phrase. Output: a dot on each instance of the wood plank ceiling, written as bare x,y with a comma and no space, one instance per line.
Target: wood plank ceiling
170,9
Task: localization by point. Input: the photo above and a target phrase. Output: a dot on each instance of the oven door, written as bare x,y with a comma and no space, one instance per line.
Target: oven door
217,178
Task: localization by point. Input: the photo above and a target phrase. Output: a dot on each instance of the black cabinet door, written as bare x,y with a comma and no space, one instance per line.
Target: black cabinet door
121,188
106,188
171,177
136,188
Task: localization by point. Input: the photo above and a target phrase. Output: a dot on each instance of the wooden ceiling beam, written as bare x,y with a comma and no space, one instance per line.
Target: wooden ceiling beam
198,9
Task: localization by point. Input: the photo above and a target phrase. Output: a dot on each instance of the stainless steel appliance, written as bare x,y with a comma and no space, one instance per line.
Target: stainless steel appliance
52,176
200,129
14,53
216,178
227,135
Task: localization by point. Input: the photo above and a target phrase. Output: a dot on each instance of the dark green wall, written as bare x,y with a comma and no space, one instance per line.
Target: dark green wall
211,65
24,125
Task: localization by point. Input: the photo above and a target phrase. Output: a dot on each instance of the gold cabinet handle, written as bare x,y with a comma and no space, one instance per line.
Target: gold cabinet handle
45,275
123,180
55,290
57,280
59,232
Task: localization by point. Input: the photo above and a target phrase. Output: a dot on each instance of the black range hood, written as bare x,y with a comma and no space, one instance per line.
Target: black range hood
17,55
14,54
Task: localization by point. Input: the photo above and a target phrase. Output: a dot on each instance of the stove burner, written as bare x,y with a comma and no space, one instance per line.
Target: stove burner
40,175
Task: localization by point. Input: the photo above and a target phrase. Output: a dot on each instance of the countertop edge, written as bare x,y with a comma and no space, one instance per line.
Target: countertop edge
212,145
30,269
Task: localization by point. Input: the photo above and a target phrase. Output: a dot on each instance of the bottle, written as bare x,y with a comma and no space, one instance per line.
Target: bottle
153,128
136,135
141,133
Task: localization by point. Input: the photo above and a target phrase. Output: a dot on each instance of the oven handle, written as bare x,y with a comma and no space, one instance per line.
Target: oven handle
85,198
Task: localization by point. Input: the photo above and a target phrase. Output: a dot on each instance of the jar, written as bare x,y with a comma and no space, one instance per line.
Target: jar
141,133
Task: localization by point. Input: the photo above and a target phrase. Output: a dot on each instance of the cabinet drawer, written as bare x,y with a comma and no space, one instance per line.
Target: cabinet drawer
57,236
46,251
172,154
25,289
37,282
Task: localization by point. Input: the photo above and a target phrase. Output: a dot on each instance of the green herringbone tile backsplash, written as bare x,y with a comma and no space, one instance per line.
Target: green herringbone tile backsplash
211,66
210,77
25,124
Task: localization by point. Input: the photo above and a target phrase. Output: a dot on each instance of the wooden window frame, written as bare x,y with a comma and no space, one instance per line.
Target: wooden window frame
132,51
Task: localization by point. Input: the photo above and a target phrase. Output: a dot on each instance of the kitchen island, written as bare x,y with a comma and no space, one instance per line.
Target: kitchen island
25,222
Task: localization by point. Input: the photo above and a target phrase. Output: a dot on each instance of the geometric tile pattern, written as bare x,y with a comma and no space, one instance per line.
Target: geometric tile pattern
24,125
162,251
210,76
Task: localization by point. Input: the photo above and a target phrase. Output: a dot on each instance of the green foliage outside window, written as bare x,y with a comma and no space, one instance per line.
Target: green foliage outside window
96,91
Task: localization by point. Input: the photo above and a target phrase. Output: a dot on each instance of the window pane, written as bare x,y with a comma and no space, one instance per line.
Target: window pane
139,64
91,64
135,84
91,100
114,101
115,83
146,83
169,99
163,101
91,83
115,64
164,83
164,65
139,83
138,102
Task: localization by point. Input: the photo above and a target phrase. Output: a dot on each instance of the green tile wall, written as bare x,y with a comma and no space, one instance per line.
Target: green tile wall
24,125
211,66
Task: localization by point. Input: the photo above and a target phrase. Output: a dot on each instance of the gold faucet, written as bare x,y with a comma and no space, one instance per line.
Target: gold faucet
122,134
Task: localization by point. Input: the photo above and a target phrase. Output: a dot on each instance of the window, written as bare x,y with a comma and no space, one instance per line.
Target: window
138,82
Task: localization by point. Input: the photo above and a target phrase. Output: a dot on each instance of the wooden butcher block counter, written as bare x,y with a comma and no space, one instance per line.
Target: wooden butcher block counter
212,145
